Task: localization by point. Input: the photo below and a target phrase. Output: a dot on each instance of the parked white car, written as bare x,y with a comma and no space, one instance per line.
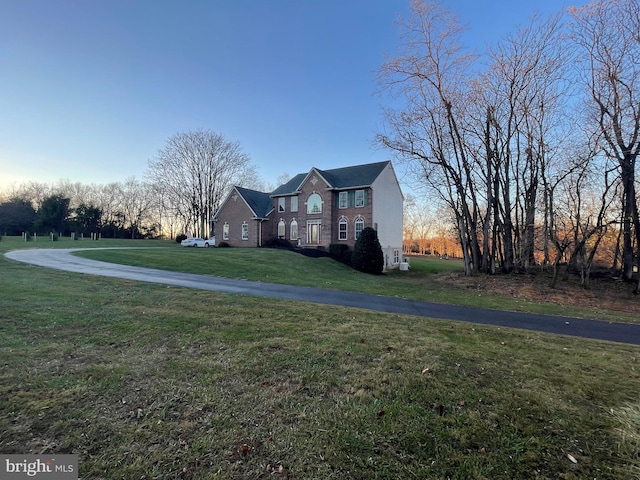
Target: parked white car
197,242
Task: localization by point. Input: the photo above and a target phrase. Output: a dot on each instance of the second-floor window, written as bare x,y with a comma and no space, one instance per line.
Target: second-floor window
314,203
281,204
294,204
352,198
343,199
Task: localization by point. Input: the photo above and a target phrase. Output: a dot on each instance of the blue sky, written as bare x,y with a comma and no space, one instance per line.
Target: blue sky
91,90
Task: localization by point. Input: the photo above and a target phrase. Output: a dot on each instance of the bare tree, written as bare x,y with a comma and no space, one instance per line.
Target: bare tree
135,202
419,224
78,193
478,140
431,75
107,198
607,32
582,214
592,220
196,170
521,93
160,211
36,192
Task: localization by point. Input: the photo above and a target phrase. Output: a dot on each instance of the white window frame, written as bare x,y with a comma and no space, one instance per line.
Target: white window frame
396,256
225,231
343,199
343,233
282,228
245,231
359,201
357,232
293,230
281,206
311,204
294,204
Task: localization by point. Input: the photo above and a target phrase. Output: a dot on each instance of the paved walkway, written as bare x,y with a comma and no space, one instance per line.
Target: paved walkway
62,259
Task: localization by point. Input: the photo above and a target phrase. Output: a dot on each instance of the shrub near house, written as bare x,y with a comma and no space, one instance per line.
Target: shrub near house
367,254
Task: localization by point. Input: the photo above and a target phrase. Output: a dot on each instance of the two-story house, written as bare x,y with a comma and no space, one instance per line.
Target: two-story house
318,208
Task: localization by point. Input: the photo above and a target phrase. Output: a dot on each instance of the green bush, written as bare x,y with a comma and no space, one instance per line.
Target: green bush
340,252
367,254
337,249
278,243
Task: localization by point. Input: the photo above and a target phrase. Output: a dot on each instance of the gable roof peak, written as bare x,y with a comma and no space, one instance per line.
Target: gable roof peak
258,202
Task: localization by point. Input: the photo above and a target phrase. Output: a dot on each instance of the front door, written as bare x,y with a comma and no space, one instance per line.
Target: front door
314,228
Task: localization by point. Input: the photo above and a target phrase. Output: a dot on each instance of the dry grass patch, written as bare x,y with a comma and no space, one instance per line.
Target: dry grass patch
606,294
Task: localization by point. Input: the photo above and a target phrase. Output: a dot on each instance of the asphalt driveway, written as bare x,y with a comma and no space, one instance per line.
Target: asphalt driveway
62,259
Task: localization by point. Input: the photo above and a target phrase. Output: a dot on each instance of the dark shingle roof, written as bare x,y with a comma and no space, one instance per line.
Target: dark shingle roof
259,202
338,178
357,176
291,186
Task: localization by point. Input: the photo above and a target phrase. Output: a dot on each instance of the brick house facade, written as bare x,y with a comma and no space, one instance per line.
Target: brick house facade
318,208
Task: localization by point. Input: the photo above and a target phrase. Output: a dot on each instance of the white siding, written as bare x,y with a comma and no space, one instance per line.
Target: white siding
387,211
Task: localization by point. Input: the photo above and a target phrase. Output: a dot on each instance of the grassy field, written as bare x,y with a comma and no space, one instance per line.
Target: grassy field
420,282
148,381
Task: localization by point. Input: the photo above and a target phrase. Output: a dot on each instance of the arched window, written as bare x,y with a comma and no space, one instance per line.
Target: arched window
281,228
293,230
314,203
342,228
359,226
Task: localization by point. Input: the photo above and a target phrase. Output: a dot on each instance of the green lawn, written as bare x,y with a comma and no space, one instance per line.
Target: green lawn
282,266
149,381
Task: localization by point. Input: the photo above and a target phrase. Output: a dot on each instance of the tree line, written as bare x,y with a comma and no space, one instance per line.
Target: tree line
531,148
115,210
181,190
